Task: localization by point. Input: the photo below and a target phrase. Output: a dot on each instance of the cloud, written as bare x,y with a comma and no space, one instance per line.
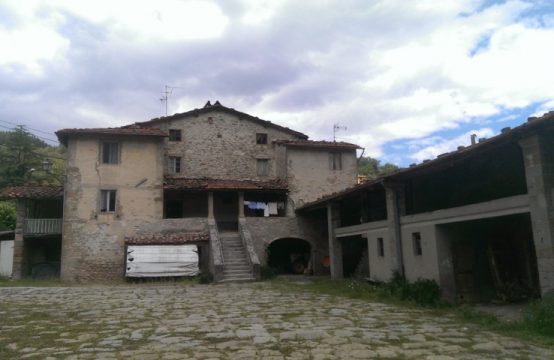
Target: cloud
388,70
431,147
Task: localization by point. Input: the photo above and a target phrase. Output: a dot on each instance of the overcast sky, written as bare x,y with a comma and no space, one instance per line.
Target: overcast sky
408,79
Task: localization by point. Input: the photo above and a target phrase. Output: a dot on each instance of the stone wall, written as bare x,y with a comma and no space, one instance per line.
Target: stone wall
93,242
310,177
220,145
266,230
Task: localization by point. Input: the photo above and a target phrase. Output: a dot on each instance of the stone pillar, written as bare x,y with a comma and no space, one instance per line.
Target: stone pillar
210,205
335,247
241,204
539,174
394,194
18,246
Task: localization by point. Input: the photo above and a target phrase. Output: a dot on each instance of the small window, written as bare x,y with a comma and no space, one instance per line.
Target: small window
335,161
174,165
174,135
262,167
110,153
416,238
380,247
107,200
261,139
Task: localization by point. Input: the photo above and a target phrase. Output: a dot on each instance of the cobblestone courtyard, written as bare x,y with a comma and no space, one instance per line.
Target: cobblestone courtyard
233,321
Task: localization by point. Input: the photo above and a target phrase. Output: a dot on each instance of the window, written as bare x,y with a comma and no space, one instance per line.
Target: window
416,239
174,165
380,247
107,200
335,161
262,167
174,135
110,153
261,139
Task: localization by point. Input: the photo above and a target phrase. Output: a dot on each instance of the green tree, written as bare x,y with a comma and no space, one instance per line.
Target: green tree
7,215
372,168
23,156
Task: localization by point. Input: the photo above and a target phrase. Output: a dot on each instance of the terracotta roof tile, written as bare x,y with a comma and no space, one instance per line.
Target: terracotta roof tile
166,239
317,144
32,192
222,184
124,131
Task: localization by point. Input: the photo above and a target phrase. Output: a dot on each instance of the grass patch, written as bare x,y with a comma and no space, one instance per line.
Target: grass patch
28,282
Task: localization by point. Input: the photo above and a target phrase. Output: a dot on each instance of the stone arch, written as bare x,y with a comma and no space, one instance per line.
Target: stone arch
290,255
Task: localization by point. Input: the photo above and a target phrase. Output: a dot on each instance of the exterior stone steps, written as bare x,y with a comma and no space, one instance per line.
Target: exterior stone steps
235,260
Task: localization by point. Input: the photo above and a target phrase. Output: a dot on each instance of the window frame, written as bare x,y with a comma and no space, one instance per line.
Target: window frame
261,138
264,168
335,161
174,164
106,198
106,148
177,138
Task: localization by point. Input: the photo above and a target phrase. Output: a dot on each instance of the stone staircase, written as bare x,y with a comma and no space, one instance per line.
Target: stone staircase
235,260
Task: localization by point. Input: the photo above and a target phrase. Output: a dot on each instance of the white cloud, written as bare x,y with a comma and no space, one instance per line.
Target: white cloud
429,148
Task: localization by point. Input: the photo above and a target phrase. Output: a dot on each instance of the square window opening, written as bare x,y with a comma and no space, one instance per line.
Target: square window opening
110,153
261,139
262,167
174,135
416,239
107,200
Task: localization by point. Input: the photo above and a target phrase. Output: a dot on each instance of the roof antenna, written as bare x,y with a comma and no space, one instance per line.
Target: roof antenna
337,127
167,93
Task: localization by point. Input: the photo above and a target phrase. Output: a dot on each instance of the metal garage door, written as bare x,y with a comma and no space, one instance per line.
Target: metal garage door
6,258
161,260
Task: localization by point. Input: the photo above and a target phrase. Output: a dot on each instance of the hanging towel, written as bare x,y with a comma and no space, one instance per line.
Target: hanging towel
272,208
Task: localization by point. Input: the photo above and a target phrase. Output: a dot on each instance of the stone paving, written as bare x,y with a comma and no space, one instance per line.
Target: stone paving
231,321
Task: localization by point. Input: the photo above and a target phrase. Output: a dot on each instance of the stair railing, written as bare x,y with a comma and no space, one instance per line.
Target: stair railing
248,244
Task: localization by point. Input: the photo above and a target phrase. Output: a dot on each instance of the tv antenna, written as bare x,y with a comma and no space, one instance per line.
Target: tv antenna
167,93
337,127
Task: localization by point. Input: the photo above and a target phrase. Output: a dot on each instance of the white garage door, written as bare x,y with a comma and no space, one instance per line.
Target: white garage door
162,260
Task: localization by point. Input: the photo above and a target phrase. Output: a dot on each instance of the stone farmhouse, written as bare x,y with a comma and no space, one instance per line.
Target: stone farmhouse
213,177
249,193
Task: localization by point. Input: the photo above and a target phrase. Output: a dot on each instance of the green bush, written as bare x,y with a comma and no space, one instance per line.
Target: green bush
423,292
205,278
539,315
268,272
7,215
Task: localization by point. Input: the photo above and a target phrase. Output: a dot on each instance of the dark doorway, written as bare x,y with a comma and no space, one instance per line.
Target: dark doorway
289,256
355,261
493,259
226,210
42,257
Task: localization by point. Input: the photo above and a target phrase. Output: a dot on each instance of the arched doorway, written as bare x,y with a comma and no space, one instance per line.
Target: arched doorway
289,256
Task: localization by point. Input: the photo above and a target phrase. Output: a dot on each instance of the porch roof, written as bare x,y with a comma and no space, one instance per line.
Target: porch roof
206,184
167,239
32,192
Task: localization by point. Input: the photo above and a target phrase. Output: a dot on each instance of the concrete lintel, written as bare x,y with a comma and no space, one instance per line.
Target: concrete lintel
506,206
361,228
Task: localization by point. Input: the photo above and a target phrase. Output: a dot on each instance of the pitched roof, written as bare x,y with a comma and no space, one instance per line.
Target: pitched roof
122,131
172,183
218,107
506,135
318,144
166,239
32,192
